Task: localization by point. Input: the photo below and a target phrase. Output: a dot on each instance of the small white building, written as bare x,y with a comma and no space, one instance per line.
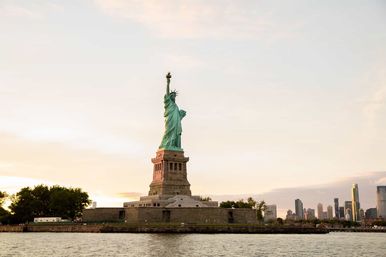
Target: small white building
48,219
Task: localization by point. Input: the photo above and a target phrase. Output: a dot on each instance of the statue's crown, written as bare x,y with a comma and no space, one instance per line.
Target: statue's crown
174,92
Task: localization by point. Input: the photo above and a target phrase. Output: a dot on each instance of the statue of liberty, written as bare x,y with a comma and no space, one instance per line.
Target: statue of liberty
173,116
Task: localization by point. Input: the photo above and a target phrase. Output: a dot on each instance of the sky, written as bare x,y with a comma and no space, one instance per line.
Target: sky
279,95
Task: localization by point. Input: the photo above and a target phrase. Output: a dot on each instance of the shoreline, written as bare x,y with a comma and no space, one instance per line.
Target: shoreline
161,228
176,228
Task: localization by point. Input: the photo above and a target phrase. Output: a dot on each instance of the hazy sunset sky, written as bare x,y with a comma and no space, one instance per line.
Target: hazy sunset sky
278,94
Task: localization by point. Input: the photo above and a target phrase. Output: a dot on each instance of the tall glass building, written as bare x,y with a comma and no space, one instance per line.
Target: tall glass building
381,201
355,203
336,207
320,211
299,209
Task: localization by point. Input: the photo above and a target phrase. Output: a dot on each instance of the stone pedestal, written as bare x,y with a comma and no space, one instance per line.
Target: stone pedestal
169,174
170,187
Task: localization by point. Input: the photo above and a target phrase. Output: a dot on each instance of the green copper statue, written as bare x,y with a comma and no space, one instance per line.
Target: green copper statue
173,116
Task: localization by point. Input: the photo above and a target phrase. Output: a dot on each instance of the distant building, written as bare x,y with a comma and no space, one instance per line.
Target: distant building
299,209
290,215
48,219
355,203
348,214
336,206
347,210
381,201
361,214
309,214
320,211
341,212
270,213
93,205
371,213
330,214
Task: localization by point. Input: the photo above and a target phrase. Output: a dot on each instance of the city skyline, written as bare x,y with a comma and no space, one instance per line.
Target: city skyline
280,97
350,211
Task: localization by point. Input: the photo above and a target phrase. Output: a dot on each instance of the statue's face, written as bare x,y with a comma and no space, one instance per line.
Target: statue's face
173,96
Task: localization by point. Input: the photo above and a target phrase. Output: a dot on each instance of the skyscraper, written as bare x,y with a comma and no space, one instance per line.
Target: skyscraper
320,211
381,201
299,209
341,212
347,210
371,213
309,214
355,203
336,205
329,213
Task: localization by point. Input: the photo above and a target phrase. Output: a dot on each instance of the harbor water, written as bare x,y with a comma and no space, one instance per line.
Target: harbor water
165,245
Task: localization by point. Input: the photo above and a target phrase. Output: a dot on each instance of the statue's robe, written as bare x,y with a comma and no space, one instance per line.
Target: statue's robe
173,129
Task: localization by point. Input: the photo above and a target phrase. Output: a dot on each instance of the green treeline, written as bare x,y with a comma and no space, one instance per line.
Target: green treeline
249,203
43,201
3,213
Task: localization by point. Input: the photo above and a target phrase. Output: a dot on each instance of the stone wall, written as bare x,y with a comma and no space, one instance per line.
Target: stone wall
190,215
76,228
104,215
244,216
131,215
11,228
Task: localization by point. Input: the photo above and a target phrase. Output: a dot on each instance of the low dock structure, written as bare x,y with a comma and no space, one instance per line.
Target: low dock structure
359,229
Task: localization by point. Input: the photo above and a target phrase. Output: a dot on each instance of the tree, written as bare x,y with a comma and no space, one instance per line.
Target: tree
205,199
250,204
68,203
260,207
22,206
227,204
4,214
381,223
3,196
42,201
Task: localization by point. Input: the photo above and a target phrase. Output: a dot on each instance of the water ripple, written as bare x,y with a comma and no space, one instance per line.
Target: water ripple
192,245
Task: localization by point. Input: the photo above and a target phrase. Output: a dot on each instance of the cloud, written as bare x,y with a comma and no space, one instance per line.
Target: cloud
12,184
381,181
200,19
130,195
187,61
30,10
375,104
25,162
18,11
108,201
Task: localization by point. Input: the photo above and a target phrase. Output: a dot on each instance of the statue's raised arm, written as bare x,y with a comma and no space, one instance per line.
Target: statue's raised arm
168,77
